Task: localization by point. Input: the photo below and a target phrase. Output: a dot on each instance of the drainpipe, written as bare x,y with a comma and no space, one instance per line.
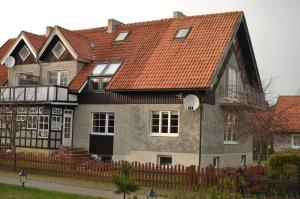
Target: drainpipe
200,129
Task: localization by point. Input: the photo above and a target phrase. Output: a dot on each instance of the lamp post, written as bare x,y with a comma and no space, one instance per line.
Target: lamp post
151,194
23,177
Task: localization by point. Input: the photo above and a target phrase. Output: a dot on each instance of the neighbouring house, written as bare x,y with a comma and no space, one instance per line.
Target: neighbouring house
118,90
286,132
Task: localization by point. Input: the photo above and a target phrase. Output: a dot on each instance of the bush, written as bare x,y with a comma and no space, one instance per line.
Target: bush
283,165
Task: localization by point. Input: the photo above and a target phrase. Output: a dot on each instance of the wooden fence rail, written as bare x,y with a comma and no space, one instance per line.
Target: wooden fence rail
148,174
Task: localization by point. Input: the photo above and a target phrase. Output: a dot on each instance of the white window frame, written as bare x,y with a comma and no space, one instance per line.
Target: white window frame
293,141
44,130
54,52
28,53
177,36
122,36
58,125
230,124
159,133
59,78
231,93
164,156
21,118
30,125
216,162
106,123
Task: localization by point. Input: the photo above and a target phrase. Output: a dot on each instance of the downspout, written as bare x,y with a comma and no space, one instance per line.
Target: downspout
200,129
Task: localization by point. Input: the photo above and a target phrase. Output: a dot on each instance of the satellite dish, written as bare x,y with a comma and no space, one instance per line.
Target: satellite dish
191,102
9,61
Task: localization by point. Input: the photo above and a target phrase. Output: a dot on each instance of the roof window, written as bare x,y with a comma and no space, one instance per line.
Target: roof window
24,53
58,50
107,69
182,33
121,36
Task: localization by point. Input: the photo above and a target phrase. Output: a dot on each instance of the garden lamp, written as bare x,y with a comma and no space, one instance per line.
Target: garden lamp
151,194
23,177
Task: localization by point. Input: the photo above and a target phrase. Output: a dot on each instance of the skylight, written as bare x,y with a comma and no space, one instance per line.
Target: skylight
106,69
182,33
112,68
98,69
121,36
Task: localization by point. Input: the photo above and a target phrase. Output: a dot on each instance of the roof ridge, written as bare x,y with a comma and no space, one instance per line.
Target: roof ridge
27,32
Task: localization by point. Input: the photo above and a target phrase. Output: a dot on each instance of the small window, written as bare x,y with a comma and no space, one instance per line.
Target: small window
58,78
24,53
230,129
98,69
121,36
164,160
56,111
111,69
22,110
32,122
58,50
296,141
182,33
164,122
216,162
243,160
56,123
43,126
33,110
103,123
21,118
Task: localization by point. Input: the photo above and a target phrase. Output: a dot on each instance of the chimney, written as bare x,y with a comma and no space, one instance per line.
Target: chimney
177,14
112,24
48,30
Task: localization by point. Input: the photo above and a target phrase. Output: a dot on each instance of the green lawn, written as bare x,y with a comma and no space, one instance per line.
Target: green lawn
17,192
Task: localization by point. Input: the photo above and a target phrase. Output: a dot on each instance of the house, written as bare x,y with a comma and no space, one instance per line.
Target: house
118,91
286,130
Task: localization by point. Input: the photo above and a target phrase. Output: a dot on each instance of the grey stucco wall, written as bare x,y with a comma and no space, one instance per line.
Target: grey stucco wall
282,141
73,67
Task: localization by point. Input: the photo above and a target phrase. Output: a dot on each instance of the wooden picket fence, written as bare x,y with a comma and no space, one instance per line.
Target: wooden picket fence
150,175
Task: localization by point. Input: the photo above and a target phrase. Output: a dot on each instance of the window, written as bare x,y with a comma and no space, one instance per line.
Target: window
164,160
182,33
230,129
32,122
24,53
164,122
58,78
21,118
58,50
243,160
103,123
56,123
231,84
22,110
121,36
56,111
216,162
102,74
296,141
43,126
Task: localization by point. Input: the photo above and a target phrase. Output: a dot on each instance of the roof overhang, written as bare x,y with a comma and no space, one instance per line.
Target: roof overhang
23,37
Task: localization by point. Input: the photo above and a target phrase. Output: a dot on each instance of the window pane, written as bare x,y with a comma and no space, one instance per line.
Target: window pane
165,160
155,129
52,77
98,69
122,36
112,68
164,129
63,78
182,33
174,129
111,129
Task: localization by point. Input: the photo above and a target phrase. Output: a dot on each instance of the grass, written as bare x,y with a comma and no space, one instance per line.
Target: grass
17,192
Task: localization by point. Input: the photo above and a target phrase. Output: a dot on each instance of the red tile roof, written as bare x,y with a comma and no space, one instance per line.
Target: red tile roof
78,81
3,70
288,114
36,40
79,43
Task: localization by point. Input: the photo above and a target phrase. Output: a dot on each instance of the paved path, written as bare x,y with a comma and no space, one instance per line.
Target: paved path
64,188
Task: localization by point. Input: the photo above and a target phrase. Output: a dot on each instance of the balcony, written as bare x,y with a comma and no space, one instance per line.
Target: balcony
242,95
37,94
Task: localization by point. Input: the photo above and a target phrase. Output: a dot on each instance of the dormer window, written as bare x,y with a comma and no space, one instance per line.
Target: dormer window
121,36
182,33
102,74
24,53
58,50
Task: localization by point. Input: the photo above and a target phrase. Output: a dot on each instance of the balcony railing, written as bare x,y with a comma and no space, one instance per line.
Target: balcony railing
244,95
20,94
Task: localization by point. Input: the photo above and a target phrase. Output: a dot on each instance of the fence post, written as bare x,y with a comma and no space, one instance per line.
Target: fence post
191,176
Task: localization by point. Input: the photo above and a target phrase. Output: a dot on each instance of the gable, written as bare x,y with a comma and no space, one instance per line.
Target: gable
48,55
16,54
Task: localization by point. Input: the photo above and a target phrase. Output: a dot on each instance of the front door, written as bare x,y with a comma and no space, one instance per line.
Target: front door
67,127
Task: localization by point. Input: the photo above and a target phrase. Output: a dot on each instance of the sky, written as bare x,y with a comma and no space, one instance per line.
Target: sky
274,25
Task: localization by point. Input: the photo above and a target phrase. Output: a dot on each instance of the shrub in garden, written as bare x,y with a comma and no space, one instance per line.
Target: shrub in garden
284,165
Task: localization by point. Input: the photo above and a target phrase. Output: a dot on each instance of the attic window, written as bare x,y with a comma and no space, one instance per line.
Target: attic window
58,50
122,36
182,33
24,53
107,69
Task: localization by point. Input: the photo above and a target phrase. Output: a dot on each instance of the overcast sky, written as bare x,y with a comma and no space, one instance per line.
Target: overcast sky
274,25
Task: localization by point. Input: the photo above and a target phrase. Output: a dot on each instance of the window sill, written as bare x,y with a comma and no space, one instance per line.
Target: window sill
108,134
230,143
163,135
